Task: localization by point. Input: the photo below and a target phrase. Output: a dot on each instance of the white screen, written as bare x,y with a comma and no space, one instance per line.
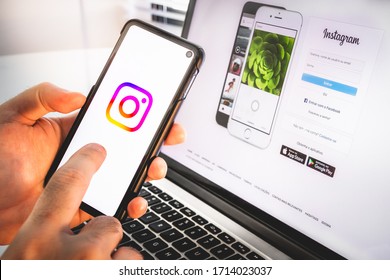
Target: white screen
326,171
147,70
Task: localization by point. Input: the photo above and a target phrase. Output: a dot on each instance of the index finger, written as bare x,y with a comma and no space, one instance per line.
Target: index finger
63,194
39,100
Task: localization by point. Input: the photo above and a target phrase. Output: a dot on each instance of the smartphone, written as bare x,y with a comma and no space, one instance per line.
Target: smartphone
236,62
267,64
129,111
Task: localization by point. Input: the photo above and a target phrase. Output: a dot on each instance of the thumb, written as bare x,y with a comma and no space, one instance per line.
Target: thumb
99,237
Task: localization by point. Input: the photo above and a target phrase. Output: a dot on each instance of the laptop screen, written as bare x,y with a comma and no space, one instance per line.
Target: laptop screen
290,113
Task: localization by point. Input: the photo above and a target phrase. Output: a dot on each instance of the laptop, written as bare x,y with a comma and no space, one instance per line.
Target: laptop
317,184
318,187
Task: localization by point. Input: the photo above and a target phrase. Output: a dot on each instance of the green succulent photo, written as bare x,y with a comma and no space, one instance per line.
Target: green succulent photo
268,58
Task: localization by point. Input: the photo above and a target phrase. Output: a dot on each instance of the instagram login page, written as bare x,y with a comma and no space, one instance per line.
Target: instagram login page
127,110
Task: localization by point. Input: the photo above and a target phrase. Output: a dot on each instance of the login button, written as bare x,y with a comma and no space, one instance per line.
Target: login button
329,84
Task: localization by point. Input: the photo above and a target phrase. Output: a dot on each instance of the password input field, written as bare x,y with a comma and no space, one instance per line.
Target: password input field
334,67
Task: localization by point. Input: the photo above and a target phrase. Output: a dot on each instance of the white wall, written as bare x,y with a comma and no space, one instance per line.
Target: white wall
46,25
65,42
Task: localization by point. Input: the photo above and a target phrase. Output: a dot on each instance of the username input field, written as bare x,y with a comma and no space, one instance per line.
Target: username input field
334,67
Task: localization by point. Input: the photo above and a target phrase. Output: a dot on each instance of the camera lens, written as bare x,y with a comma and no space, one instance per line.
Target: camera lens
189,54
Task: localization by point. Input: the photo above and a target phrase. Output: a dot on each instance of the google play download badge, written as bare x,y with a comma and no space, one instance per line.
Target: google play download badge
320,166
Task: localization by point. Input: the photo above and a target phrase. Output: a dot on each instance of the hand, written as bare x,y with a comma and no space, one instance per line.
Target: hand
28,145
46,233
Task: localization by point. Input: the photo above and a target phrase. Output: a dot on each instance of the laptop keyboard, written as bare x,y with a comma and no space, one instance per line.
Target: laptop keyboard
170,230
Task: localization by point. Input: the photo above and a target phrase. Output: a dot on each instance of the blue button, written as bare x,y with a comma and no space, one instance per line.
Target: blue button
329,84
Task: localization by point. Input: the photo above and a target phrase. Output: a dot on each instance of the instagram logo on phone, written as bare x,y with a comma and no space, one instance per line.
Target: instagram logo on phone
129,107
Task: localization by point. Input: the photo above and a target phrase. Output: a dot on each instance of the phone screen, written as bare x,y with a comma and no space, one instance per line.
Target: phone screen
263,76
236,63
131,100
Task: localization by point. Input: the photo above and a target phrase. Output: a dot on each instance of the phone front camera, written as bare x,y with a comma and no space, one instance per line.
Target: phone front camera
189,54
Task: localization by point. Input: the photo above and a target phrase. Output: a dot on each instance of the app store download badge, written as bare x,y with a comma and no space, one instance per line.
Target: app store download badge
321,167
293,154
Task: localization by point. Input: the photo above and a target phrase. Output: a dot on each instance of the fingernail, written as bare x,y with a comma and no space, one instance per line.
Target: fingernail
97,147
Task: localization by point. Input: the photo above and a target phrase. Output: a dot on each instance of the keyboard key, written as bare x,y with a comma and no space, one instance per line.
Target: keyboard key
184,244
124,240
209,241
226,238
222,251
128,219
188,212
161,208
199,220
159,226
154,190
143,235
183,224
149,217
147,184
254,256
197,254
172,216
144,193
152,200
165,196
168,254
236,257
212,229
155,245
195,232
176,204
171,235
241,248
132,227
